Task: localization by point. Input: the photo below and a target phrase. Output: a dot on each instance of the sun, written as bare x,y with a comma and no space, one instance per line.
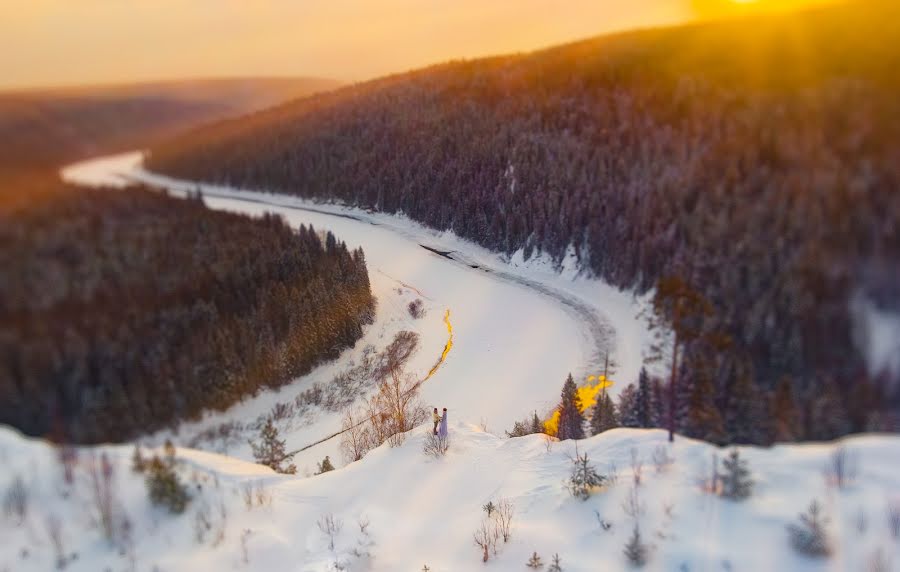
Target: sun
713,8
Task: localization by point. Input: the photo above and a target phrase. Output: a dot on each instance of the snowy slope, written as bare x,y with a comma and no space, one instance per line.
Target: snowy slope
424,511
519,328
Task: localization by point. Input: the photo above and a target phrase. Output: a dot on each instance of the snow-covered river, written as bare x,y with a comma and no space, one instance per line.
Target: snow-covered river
519,328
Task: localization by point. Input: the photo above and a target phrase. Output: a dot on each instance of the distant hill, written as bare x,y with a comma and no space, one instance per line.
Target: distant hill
47,127
756,159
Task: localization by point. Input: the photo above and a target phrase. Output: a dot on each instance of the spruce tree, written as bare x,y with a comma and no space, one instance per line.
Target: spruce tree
810,537
642,410
743,416
555,565
636,550
737,483
828,418
537,426
164,487
534,562
628,407
784,413
703,420
659,407
604,416
325,466
571,421
584,478
270,450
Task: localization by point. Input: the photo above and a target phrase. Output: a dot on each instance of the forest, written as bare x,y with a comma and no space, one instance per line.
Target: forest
754,163
123,312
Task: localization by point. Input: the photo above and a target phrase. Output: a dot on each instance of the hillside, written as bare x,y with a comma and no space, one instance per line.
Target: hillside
126,311
398,509
756,160
48,127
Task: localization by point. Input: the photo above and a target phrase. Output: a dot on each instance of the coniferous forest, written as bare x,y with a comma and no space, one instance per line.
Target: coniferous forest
122,312
751,166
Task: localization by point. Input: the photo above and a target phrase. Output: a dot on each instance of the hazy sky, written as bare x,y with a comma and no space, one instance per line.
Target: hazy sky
52,42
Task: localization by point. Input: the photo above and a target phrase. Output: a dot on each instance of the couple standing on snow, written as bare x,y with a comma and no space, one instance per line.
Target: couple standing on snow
440,422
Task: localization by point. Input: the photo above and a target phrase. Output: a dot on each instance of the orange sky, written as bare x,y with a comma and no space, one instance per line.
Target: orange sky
60,42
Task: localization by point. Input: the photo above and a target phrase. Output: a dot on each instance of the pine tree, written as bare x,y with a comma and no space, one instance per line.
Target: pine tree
703,419
604,416
809,537
571,421
555,566
737,483
138,464
744,421
536,425
164,488
636,550
784,413
325,466
535,562
628,407
828,418
270,450
584,478
642,408
659,412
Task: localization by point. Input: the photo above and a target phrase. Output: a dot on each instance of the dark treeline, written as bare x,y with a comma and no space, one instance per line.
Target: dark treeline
757,161
122,312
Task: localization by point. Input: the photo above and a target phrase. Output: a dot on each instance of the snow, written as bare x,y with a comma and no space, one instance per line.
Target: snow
877,333
518,330
424,511
519,327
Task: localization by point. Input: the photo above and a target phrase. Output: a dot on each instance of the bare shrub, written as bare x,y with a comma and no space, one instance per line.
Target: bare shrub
549,440
612,473
330,527
605,525
68,459
878,562
255,494
435,445
395,408
356,438
486,539
809,536
15,500
841,468
632,504
661,458
637,466
893,517
668,509
503,516
54,533
202,522
416,309
101,476
709,480
245,554
364,543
